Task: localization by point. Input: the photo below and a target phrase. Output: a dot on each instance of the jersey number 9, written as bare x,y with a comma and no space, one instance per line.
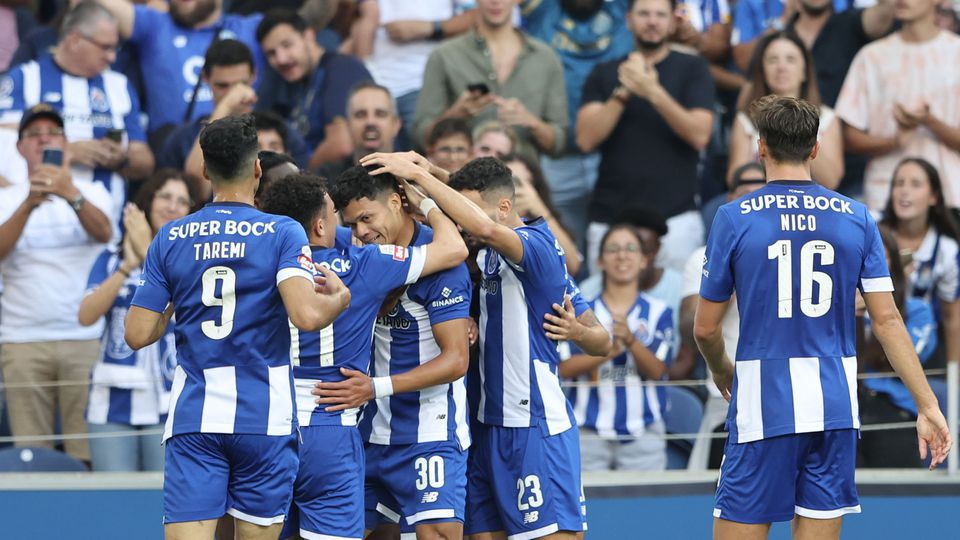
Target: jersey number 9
227,300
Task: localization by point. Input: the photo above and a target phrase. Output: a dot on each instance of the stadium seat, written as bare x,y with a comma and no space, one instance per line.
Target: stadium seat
38,460
678,455
684,413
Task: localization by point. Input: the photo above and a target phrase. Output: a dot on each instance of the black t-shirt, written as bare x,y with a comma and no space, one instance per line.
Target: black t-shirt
838,42
643,160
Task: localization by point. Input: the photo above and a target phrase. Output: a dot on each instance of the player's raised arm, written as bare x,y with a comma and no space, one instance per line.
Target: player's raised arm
312,307
447,248
461,208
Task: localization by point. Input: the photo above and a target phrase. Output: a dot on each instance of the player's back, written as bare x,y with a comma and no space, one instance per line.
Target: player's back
223,265
518,362
795,253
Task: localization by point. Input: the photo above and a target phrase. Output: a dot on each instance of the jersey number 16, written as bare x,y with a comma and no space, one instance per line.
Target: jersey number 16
782,251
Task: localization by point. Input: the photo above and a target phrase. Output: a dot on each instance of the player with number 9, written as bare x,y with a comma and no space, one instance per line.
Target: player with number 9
232,275
796,252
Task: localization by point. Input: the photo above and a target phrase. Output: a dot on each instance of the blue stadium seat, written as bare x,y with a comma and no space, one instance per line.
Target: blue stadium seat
38,460
677,455
684,413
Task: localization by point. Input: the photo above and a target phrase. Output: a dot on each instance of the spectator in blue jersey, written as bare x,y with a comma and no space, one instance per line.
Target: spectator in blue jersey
373,123
887,400
655,107
449,144
783,66
235,278
329,495
52,227
527,429
583,33
620,415
95,101
922,225
228,70
796,253
315,87
130,391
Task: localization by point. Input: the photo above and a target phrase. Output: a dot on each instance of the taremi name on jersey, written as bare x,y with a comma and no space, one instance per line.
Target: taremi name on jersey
795,253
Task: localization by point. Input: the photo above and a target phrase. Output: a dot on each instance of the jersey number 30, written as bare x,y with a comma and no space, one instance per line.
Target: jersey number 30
227,300
782,251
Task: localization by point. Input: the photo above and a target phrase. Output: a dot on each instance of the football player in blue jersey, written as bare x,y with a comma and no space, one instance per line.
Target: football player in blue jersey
416,424
524,474
329,495
796,253
232,275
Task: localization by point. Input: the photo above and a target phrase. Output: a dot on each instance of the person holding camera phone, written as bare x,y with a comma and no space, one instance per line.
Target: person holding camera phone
52,227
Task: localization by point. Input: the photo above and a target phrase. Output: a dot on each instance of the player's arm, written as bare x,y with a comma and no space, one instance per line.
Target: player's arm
123,11
450,365
447,248
144,327
709,337
887,325
585,331
313,306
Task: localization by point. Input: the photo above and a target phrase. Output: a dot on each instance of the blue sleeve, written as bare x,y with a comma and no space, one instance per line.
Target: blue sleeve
387,267
11,97
131,122
717,282
446,295
874,274
347,72
146,21
576,298
294,255
105,265
663,343
539,250
154,292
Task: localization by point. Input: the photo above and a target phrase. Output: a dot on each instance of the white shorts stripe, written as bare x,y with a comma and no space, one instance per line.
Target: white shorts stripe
542,531
826,514
388,513
256,520
439,513
307,535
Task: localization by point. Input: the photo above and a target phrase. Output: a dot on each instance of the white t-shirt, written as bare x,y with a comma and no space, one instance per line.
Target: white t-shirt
730,326
46,273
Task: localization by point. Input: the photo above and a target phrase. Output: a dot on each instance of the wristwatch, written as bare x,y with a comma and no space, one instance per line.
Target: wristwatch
78,202
437,31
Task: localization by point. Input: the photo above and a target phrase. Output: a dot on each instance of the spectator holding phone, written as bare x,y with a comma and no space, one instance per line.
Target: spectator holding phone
52,226
497,71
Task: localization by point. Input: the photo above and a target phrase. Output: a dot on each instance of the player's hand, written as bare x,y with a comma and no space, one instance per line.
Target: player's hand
723,379
328,282
396,163
564,327
349,393
413,196
933,435
137,230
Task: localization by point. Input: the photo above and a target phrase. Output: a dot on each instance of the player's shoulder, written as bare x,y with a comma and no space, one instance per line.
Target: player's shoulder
422,235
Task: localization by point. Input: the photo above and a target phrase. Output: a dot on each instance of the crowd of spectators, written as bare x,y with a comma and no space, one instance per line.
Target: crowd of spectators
623,121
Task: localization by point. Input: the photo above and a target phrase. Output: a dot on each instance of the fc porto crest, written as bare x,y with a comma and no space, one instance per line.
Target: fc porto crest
98,100
492,266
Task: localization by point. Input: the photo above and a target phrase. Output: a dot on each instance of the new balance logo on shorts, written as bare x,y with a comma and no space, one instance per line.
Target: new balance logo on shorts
430,497
531,517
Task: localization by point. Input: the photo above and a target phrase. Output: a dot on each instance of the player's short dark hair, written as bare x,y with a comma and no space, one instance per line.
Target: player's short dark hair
270,159
270,121
487,175
298,196
276,17
229,147
357,182
449,127
227,52
787,125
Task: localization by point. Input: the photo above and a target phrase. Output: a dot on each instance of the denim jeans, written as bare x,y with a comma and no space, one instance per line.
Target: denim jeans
126,453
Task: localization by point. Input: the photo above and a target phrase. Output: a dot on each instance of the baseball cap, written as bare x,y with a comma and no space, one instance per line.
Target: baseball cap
41,110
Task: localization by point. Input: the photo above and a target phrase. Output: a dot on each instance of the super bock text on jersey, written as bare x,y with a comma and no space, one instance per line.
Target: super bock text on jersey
796,253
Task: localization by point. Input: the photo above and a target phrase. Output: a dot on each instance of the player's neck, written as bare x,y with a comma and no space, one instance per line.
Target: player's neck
407,229
234,192
787,171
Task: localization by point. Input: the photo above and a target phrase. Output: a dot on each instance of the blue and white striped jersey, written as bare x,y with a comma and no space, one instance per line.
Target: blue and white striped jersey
220,267
519,385
370,272
128,387
403,339
795,252
89,108
616,400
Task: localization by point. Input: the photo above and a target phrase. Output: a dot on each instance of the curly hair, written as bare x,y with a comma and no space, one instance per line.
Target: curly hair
357,183
229,146
298,196
485,175
148,190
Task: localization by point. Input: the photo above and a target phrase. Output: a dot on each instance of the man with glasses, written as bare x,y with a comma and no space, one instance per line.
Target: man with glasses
53,224
100,107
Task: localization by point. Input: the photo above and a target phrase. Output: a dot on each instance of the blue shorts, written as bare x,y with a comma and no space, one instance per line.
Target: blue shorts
524,482
807,474
207,475
413,484
328,494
